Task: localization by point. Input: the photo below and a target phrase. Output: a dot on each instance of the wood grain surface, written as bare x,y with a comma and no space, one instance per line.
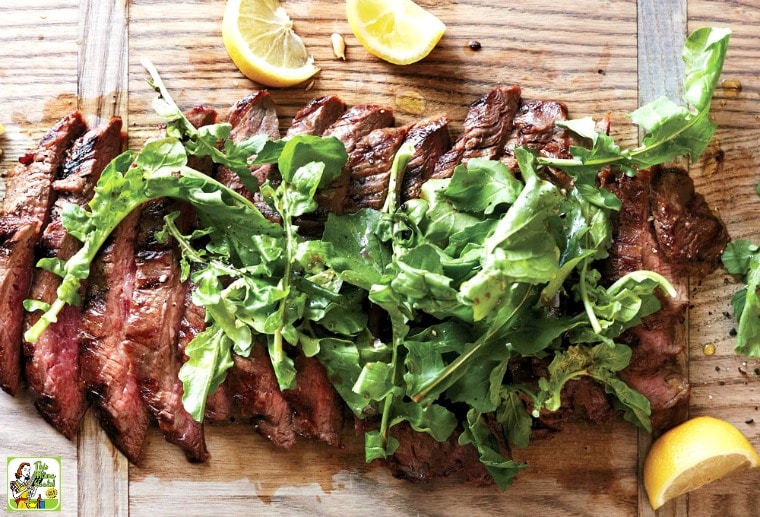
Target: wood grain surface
597,56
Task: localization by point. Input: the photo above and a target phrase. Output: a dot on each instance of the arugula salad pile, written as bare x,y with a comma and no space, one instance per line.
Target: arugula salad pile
482,269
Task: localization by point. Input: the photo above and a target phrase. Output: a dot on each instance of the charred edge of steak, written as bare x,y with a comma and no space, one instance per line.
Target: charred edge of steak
52,366
369,167
26,208
350,128
430,138
256,392
487,126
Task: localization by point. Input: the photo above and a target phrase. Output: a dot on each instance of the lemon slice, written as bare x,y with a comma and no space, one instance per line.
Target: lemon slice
259,37
693,454
398,31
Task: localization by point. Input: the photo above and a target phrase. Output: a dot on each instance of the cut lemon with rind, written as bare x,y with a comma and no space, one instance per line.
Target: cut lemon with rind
694,454
259,37
398,31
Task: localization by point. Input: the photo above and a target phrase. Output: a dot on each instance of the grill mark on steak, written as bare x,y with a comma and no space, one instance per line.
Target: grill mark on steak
106,369
52,366
487,125
28,198
254,388
369,166
430,138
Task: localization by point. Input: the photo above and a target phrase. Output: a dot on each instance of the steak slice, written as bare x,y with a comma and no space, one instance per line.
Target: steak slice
350,128
254,388
317,407
687,231
535,126
253,115
107,370
657,347
219,403
317,116
421,459
52,366
370,167
28,198
430,138
152,326
487,125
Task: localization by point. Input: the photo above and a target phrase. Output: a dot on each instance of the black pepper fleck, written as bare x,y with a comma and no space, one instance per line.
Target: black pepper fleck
474,45
717,368
732,332
721,383
749,421
742,370
757,371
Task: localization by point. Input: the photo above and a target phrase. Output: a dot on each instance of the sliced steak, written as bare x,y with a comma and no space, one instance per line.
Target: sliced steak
317,407
219,403
254,388
28,198
656,343
253,115
350,128
420,458
107,370
52,362
430,138
687,231
317,116
487,125
370,167
152,326
535,126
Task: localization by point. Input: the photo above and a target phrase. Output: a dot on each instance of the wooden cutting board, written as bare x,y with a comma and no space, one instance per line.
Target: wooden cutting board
597,56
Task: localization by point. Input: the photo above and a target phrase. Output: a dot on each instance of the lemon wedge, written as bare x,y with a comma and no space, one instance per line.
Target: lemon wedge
398,31
259,37
694,454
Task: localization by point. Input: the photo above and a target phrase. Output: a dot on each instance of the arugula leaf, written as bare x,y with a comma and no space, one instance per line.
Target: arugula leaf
482,185
741,257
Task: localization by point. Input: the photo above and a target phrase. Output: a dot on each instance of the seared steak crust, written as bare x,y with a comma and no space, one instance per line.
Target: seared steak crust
27,202
52,366
317,407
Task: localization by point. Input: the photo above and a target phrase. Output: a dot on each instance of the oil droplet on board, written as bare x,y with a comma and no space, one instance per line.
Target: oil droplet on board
410,102
709,349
